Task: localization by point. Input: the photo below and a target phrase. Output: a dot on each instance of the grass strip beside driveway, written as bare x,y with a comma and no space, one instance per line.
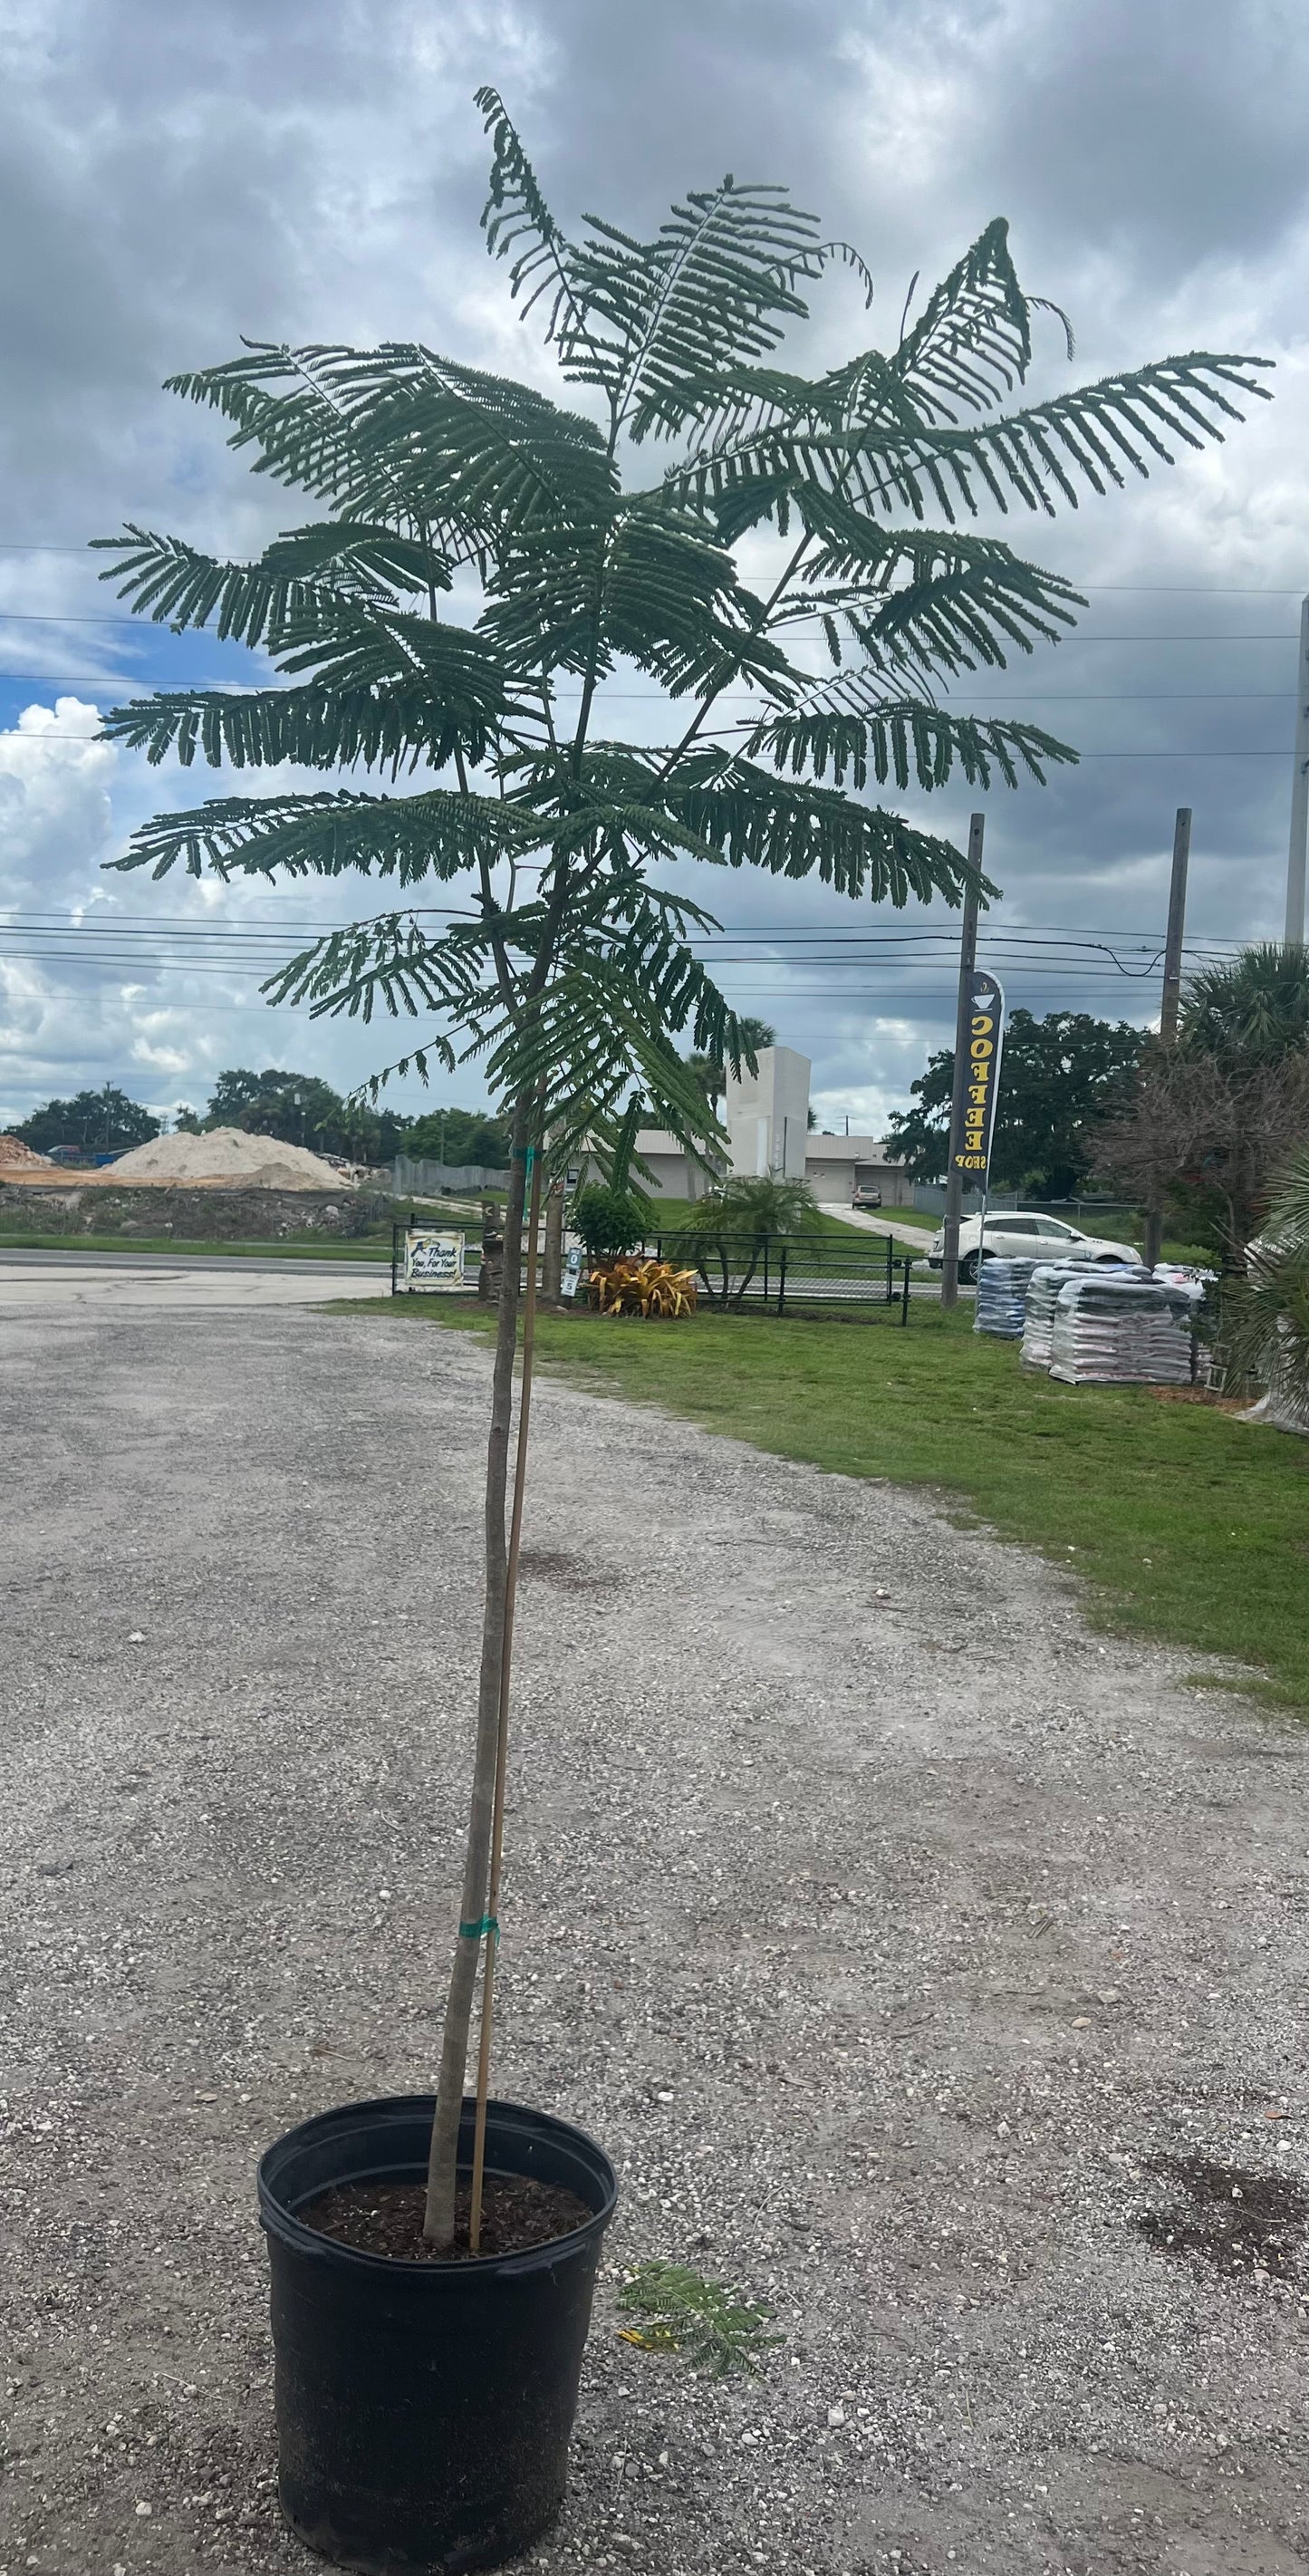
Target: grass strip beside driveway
1193,1526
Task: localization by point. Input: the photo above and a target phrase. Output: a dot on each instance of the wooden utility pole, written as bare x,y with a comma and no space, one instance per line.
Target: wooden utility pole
954,1179
1154,1221
1176,925
1295,865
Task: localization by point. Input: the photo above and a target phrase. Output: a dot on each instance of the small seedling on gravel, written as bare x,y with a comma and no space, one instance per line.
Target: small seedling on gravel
714,2326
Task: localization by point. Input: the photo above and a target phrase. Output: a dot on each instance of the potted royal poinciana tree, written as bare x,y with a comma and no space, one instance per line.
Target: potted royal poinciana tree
433,2258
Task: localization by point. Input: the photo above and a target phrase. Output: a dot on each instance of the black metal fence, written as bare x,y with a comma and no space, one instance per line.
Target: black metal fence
786,1274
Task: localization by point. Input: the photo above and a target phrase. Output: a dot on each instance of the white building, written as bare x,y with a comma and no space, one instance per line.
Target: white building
766,1115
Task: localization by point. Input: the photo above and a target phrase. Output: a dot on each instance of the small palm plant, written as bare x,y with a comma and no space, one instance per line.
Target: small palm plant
737,1221
1265,1325
528,922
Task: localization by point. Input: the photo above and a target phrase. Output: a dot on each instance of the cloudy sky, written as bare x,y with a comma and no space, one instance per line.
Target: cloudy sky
176,176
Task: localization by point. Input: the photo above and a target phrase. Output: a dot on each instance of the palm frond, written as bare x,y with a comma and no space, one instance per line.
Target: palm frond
404,726
516,220
756,819
719,283
920,600
436,834
972,343
847,728
1265,1317
1081,440
248,603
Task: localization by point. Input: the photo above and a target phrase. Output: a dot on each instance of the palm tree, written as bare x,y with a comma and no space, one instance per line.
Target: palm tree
1254,1010
563,961
751,1037
1266,1318
738,1219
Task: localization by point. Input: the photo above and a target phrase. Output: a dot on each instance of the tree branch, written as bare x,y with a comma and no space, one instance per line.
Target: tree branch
734,664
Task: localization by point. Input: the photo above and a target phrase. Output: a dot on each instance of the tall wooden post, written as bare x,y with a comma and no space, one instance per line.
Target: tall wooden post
1154,1217
1295,865
954,1179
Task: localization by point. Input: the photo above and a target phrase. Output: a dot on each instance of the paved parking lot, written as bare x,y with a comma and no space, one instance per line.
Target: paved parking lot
39,1283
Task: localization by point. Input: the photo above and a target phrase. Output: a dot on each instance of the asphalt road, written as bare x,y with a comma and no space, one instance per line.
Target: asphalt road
71,1257
932,1966
53,1281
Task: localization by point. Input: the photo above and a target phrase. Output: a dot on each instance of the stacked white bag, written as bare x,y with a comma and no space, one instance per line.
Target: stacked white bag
1111,1328
1001,1298
1043,1291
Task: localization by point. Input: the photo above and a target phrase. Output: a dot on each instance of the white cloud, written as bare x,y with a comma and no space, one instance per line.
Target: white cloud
55,812
179,177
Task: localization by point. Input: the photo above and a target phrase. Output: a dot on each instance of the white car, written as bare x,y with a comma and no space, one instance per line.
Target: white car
1021,1234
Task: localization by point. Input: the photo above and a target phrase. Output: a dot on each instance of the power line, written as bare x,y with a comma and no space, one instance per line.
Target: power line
738,697
174,932
161,625
1172,751
1201,589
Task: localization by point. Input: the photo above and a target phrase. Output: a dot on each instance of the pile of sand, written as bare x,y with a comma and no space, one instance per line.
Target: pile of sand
15,1156
226,1160
227,1157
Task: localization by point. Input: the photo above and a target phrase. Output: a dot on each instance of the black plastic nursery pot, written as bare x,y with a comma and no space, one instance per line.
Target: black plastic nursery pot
424,2409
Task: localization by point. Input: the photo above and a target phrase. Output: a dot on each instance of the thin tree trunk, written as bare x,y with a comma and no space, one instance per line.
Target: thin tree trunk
739,1297
439,2215
502,1739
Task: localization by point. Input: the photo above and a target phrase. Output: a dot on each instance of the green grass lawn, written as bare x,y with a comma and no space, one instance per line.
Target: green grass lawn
669,1213
1190,1525
918,1218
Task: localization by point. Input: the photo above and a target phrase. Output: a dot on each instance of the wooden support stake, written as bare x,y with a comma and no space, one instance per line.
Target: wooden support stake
502,1743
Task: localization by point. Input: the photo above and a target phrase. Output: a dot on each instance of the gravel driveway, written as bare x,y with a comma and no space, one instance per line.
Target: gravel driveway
926,1962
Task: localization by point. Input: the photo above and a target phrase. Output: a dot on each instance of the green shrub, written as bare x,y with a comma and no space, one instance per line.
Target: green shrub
609,1221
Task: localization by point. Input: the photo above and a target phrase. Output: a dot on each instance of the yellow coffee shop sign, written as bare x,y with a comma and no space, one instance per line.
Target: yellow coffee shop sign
985,1035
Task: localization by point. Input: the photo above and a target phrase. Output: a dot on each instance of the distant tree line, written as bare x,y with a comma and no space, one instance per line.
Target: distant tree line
1061,1077
301,1109
1217,1124
1203,1133
92,1122
296,1108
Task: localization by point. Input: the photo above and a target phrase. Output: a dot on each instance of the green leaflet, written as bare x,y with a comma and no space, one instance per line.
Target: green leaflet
718,2329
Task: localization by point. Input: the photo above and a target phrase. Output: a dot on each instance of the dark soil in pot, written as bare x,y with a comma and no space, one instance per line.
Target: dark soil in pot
387,2217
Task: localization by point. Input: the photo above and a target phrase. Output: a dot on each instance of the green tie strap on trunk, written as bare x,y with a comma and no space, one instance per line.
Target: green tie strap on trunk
474,1931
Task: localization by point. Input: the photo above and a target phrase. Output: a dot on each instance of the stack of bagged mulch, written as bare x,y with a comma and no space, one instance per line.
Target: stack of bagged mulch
1111,1329
1001,1292
1043,1292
